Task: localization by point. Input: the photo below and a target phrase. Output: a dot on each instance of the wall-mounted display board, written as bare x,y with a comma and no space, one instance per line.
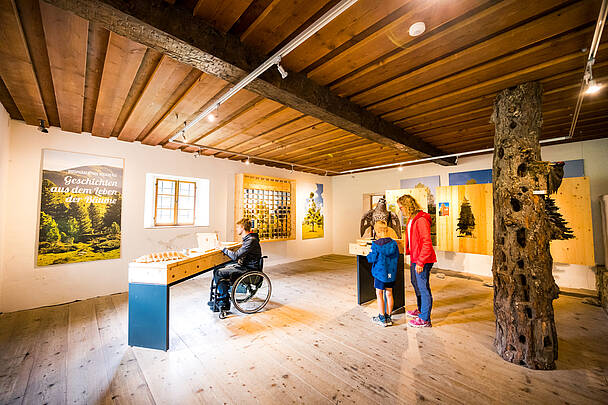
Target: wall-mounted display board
313,223
468,225
574,201
269,203
80,208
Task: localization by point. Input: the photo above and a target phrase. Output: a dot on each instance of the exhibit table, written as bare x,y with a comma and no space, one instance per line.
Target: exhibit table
365,282
149,293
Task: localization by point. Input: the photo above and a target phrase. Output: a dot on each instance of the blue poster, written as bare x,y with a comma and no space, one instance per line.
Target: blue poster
471,177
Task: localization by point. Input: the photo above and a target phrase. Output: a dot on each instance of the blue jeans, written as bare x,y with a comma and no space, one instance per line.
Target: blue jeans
420,281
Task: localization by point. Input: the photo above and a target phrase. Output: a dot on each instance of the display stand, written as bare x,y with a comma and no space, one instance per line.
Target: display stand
149,294
365,282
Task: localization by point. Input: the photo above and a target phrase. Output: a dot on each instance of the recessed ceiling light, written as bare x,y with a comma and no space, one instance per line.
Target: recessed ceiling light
417,29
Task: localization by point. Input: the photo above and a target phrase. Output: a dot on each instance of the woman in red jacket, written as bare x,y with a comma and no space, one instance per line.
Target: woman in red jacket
422,257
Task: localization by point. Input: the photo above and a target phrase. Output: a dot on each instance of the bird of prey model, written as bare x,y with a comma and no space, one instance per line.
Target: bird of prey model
380,213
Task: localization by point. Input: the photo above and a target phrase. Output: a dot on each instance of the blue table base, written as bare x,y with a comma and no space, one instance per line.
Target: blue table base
149,316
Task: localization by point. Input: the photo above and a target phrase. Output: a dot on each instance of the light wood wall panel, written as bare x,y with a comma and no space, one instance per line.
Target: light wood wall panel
574,201
480,199
572,198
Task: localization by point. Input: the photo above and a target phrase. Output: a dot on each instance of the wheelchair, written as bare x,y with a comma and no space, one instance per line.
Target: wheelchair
249,293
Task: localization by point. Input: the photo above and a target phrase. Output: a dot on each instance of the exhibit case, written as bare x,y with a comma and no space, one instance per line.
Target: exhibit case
269,203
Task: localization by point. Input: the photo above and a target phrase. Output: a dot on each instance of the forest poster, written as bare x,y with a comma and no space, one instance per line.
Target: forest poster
312,226
80,208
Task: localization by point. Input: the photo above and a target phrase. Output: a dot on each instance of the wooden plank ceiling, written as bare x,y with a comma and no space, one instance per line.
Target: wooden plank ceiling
438,87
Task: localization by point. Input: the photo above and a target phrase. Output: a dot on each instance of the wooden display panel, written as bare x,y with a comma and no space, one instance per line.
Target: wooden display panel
572,198
269,202
574,201
420,195
479,197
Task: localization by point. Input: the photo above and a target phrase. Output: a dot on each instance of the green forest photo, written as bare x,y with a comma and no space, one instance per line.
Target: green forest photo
80,208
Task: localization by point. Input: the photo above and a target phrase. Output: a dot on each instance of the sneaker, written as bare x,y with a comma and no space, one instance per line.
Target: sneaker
379,320
388,320
413,314
419,323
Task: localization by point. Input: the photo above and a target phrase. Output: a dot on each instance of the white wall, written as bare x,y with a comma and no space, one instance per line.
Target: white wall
4,158
348,193
27,286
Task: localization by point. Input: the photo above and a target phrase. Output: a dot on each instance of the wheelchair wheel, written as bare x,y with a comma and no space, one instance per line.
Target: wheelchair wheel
251,292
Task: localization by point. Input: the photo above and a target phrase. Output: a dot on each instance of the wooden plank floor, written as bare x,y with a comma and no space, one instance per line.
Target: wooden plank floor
311,345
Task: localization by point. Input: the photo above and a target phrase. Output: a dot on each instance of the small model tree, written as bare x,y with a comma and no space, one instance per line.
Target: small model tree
466,220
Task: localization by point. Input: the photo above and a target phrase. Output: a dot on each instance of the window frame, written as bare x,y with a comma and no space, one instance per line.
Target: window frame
175,202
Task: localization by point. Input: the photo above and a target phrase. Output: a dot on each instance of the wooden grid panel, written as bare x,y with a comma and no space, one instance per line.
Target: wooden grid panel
269,202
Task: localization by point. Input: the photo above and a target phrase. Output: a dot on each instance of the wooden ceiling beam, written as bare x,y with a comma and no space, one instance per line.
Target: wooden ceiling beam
188,104
7,101
149,64
515,67
166,77
31,21
450,51
122,62
96,56
261,125
221,14
172,30
170,102
16,67
280,145
233,120
318,135
66,37
488,88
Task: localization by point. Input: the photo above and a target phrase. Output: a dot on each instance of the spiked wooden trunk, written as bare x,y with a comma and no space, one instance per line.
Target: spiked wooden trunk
524,288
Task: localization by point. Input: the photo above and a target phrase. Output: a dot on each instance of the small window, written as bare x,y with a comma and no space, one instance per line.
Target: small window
175,202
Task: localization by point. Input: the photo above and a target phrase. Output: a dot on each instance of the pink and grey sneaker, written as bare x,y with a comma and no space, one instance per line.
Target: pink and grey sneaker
413,314
419,323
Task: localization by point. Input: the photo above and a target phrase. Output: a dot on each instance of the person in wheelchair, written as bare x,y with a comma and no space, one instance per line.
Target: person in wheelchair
246,258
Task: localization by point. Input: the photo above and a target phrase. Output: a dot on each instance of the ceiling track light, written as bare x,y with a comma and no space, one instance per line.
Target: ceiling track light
589,86
281,70
312,29
42,128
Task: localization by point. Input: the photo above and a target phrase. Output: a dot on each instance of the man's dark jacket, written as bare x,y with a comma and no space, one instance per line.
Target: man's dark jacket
249,254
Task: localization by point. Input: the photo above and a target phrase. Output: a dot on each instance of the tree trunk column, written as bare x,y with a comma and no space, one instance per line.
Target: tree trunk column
524,288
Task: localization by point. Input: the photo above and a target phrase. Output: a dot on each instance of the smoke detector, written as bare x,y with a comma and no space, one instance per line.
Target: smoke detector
417,29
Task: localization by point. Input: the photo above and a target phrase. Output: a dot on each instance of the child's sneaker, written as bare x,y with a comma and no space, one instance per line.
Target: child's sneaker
413,314
419,323
379,320
388,321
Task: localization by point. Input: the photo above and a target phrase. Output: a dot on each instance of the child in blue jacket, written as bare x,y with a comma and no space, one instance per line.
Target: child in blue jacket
384,257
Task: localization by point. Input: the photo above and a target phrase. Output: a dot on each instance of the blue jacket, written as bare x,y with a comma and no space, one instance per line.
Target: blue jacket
384,257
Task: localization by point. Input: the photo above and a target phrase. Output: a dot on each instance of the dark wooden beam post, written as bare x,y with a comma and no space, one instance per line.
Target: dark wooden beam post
524,288
174,31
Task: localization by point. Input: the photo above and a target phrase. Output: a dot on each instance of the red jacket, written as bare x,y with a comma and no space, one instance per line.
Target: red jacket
420,248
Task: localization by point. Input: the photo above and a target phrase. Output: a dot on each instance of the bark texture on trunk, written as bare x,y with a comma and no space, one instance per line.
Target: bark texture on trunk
524,288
